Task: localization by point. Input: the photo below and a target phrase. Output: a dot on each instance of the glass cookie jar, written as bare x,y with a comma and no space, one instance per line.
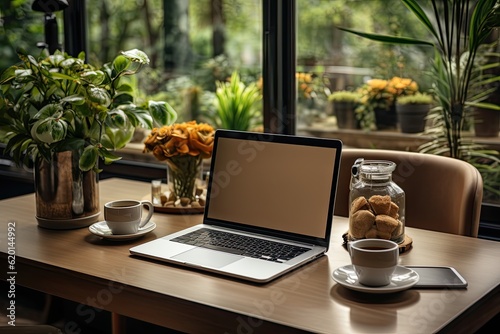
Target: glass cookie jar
376,203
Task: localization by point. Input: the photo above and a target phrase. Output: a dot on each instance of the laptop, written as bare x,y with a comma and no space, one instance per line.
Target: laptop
268,210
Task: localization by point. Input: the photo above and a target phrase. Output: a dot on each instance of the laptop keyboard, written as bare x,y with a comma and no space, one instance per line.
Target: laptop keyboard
242,245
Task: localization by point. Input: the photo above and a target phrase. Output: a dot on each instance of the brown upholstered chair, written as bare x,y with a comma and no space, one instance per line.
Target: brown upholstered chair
442,194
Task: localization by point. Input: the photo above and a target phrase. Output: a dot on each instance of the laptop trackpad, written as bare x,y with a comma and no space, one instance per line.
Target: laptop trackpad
207,258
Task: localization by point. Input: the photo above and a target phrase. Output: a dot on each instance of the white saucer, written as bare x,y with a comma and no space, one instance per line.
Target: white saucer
402,279
102,230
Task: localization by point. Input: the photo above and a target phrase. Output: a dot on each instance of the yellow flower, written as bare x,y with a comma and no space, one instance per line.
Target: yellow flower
307,85
377,84
402,86
384,92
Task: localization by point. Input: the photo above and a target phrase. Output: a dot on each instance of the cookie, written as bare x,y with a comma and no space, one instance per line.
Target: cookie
385,223
372,233
384,235
397,231
359,203
380,205
394,211
360,222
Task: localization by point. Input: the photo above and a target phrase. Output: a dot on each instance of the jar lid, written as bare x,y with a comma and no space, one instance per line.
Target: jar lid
377,167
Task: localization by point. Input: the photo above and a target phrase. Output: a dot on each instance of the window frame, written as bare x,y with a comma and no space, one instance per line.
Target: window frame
279,66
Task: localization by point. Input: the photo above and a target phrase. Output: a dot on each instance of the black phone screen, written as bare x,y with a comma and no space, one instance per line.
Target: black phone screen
438,277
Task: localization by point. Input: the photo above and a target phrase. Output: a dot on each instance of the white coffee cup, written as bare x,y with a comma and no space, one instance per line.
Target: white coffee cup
374,260
124,216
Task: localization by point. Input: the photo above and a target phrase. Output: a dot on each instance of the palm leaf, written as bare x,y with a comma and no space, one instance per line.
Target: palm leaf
388,38
415,8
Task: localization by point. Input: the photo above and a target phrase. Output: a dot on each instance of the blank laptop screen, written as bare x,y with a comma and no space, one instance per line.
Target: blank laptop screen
278,186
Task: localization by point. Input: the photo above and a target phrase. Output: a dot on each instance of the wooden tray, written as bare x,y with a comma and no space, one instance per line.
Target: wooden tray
176,210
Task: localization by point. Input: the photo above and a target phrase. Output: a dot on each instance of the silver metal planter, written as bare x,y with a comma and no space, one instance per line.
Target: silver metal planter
66,197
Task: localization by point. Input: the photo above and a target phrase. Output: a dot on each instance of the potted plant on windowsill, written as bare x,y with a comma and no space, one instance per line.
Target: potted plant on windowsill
486,89
458,28
65,115
377,109
344,105
236,105
412,111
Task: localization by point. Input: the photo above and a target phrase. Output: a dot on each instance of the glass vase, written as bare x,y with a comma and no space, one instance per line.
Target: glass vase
183,176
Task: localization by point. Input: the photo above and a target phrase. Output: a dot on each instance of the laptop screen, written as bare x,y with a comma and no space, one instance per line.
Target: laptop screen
274,182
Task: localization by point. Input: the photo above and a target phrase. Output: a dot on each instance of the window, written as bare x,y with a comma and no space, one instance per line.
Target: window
292,49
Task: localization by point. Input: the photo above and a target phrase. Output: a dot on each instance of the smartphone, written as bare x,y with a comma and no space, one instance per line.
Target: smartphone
438,277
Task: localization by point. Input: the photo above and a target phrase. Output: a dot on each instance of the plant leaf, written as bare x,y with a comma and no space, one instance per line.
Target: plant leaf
108,156
117,138
93,77
74,99
99,95
387,38
120,64
137,56
88,158
162,113
413,6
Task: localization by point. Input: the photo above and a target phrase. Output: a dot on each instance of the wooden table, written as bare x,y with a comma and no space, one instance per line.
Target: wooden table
76,265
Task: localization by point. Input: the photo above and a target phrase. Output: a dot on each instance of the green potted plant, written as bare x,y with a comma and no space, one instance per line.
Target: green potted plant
486,88
470,23
65,115
459,28
237,105
412,111
344,104
377,109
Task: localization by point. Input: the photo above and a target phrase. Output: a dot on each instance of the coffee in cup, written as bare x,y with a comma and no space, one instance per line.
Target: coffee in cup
125,216
374,260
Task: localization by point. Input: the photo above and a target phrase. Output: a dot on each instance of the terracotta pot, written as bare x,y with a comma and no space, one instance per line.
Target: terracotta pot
411,117
66,197
486,122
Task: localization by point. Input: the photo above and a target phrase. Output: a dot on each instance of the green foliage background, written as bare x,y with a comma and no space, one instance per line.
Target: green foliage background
116,25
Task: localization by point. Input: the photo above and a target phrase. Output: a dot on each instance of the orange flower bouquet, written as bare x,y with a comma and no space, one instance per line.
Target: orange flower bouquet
183,146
